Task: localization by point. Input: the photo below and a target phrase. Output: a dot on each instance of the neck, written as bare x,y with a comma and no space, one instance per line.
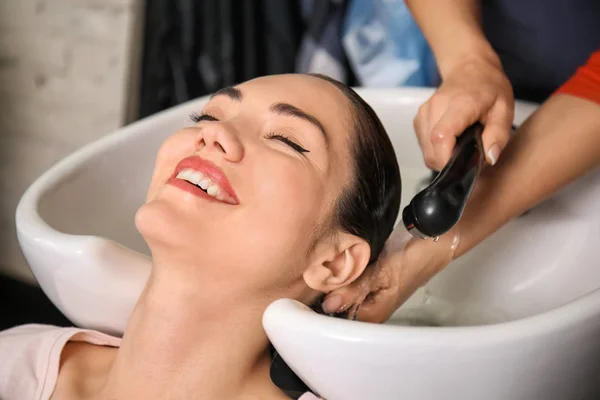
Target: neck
179,345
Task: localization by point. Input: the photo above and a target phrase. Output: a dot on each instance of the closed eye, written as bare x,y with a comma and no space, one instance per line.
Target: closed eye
198,117
288,141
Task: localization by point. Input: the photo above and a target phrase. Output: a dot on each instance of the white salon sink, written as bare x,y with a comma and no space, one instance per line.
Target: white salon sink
526,301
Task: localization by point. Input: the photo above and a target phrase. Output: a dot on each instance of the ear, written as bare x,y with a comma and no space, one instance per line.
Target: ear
338,265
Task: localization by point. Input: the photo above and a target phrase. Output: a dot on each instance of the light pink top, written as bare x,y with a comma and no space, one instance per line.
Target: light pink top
30,357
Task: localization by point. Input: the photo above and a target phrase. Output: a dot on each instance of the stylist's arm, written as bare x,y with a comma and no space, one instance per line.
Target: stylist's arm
474,86
557,144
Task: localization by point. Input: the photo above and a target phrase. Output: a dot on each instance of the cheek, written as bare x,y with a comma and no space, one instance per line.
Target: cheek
291,191
290,201
173,150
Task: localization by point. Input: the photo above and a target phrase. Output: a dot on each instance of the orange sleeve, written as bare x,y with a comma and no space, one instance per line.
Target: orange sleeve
585,83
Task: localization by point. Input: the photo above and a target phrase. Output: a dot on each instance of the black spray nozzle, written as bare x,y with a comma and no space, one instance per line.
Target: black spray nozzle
437,208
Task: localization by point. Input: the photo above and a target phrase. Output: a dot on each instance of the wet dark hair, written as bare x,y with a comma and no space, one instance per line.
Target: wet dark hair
368,208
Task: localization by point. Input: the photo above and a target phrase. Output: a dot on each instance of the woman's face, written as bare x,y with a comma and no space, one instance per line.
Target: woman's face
240,196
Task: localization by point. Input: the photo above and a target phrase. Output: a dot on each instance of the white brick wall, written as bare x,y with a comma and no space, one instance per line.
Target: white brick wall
65,79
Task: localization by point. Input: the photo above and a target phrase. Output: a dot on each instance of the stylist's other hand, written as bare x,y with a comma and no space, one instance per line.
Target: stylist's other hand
388,283
471,91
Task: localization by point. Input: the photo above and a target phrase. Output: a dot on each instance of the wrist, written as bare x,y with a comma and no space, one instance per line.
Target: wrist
433,256
477,222
448,244
478,53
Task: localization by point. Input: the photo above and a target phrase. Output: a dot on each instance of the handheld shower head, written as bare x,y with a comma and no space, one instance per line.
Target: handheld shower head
437,208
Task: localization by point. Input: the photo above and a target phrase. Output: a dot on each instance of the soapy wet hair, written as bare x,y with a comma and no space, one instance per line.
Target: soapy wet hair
369,206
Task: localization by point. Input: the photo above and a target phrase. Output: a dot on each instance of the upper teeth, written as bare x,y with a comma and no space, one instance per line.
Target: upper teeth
199,179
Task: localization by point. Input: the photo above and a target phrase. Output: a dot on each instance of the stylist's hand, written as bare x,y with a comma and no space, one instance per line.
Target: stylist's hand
471,91
384,286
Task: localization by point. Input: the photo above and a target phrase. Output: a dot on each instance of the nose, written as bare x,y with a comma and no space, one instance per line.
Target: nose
217,137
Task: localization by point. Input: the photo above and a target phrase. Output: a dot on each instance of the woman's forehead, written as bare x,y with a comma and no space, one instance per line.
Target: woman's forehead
314,96
299,86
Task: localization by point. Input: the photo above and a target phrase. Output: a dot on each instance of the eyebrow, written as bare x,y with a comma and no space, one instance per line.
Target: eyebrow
292,111
278,108
232,92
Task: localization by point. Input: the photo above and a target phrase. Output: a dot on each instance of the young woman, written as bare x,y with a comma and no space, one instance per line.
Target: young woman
285,186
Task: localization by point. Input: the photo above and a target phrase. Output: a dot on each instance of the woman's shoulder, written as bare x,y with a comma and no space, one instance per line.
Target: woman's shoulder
30,357
28,340
25,331
27,356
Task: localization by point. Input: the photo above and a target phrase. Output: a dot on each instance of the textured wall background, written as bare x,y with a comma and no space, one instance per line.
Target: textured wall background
67,76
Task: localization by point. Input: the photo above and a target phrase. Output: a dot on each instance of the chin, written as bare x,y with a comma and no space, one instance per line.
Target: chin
170,232
160,223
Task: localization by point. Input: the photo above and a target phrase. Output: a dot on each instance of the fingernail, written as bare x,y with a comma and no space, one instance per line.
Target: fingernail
332,304
494,153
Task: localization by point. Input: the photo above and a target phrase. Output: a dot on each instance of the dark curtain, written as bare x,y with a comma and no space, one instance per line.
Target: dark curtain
194,47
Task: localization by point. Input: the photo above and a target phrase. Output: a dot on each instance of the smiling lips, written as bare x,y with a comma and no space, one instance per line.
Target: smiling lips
203,179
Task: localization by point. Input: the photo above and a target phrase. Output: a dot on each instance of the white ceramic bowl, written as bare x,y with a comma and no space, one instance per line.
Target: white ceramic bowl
537,279
516,318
